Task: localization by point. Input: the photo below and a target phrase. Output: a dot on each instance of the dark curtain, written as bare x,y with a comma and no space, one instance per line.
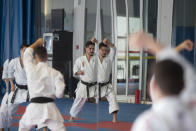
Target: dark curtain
17,26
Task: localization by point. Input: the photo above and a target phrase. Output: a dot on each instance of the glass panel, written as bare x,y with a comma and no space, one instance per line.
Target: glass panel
121,47
121,66
150,24
134,55
90,27
91,11
150,16
106,19
87,118
184,26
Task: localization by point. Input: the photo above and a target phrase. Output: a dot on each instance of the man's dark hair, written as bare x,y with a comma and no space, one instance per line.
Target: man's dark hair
169,76
23,46
102,45
41,52
88,43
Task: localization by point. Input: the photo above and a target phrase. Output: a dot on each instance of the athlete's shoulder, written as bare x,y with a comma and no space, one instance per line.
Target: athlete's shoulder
80,59
54,71
14,60
6,62
144,121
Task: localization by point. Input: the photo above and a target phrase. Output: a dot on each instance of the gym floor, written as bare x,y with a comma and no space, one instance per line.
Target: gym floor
93,116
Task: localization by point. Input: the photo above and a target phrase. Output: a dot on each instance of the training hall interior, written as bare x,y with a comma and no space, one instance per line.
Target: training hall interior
74,34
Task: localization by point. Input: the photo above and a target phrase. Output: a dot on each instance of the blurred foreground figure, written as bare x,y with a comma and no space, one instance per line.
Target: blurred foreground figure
171,88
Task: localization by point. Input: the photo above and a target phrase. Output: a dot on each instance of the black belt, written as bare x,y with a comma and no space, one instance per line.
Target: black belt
88,85
24,87
41,100
102,85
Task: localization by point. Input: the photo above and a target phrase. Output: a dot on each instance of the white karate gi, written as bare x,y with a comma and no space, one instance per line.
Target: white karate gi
188,95
168,114
104,71
5,76
4,121
43,81
5,69
150,120
90,76
18,73
15,71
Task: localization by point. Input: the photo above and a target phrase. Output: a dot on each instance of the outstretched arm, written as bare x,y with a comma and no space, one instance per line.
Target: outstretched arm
112,52
94,40
38,42
142,40
28,59
185,45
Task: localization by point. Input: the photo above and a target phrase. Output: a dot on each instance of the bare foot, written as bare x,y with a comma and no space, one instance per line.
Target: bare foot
2,129
114,121
71,119
114,117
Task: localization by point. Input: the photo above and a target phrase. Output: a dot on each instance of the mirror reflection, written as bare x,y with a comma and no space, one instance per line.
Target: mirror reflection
74,65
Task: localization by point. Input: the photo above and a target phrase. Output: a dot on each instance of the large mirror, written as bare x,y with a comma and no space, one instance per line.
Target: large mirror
83,111
107,83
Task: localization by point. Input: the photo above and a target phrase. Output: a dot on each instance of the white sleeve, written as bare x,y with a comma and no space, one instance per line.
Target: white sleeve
11,68
112,53
5,69
77,67
60,85
142,123
189,71
28,60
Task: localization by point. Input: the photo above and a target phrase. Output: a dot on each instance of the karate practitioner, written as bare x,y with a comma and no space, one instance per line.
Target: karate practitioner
85,68
44,84
142,40
4,105
105,89
168,112
19,91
